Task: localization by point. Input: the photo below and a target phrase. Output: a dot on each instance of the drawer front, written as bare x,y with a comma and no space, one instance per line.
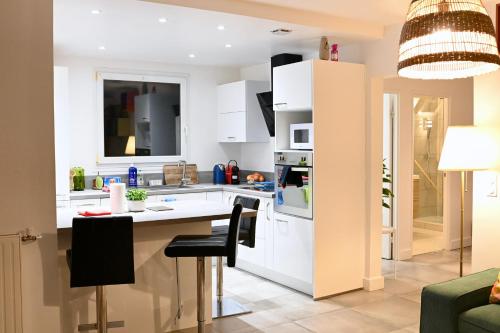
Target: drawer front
215,196
184,196
85,203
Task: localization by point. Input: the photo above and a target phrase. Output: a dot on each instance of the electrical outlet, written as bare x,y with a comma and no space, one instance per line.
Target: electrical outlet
491,179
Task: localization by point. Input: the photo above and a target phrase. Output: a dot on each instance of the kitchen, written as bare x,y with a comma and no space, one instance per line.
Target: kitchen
217,94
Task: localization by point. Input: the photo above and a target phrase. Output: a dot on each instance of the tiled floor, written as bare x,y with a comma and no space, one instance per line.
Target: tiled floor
425,241
395,309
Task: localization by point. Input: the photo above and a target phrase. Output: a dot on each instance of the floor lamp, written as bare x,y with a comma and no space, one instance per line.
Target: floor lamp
465,149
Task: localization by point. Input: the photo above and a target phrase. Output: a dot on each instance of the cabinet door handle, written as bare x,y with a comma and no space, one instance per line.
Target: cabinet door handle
280,105
283,221
267,211
231,138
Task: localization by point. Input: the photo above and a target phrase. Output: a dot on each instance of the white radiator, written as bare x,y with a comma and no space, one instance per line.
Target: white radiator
10,284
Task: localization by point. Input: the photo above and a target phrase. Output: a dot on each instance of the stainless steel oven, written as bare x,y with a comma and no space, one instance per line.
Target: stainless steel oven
293,177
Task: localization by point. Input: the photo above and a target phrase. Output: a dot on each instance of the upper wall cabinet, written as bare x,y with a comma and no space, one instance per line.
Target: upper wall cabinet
239,117
292,87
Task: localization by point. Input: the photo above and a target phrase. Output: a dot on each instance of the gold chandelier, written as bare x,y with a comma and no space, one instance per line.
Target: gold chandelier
447,39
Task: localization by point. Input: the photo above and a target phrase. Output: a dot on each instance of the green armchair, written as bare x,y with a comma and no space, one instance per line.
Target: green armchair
461,305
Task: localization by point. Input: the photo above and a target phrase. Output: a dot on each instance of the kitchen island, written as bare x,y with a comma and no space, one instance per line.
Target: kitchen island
150,304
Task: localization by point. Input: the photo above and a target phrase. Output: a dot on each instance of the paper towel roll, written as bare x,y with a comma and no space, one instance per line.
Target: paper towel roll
117,198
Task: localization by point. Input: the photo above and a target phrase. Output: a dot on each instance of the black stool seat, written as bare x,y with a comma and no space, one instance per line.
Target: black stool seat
197,246
222,231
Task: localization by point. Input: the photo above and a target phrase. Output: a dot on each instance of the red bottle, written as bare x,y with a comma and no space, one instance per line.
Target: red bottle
334,56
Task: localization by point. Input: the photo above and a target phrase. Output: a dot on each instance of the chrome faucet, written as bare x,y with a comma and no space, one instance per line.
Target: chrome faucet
184,180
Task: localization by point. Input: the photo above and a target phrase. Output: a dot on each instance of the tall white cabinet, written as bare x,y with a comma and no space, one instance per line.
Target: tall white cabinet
326,255
239,117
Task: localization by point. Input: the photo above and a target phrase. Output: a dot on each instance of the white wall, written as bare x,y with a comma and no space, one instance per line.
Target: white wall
203,148
460,112
486,209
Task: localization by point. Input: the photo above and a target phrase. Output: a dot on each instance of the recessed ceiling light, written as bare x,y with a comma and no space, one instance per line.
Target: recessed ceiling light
162,20
191,56
221,27
102,48
228,46
96,11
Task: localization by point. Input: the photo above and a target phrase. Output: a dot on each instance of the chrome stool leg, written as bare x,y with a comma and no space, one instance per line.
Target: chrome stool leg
200,272
220,280
222,307
102,323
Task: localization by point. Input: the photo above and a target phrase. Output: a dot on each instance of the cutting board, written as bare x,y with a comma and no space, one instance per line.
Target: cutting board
173,174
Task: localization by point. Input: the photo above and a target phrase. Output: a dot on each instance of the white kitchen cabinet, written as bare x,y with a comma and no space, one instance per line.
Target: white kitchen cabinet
293,86
262,254
85,203
293,247
231,127
239,116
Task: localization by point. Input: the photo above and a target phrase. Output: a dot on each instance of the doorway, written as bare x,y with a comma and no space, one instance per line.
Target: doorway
428,136
391,105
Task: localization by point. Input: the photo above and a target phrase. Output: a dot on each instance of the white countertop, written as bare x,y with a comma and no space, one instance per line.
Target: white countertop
196,188
183,211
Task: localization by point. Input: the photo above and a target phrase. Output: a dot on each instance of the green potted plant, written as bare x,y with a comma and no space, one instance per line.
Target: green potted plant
387,194
136,200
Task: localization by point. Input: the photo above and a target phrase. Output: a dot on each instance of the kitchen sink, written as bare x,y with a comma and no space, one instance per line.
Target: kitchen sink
167,187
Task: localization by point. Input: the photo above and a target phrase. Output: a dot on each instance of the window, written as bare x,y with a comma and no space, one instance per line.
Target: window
141,118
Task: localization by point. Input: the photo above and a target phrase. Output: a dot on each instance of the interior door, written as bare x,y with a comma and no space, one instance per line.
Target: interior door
27,148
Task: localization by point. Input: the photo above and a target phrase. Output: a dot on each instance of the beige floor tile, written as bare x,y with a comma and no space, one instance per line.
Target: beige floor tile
263,319
345,321
359,297
414,296
395,311
410,329
231,324
402,285
286,328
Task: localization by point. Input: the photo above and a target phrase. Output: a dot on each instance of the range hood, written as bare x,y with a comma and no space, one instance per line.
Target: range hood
266,98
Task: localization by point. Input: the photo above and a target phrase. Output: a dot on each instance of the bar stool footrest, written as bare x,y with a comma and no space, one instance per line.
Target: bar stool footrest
93,327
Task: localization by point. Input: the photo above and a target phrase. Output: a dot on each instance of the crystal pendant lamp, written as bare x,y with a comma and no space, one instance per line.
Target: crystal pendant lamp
447,39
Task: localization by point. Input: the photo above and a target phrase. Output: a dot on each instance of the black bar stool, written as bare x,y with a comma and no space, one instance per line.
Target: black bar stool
201,246
101,254
228,307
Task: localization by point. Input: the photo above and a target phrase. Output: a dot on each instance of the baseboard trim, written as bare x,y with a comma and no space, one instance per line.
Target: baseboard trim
455,243
373,283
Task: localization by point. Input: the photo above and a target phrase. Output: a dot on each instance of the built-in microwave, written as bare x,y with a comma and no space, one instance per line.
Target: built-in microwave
301,136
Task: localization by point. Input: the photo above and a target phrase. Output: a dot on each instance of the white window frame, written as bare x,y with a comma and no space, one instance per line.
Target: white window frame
160,78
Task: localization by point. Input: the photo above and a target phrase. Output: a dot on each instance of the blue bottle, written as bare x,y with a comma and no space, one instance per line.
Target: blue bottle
132,176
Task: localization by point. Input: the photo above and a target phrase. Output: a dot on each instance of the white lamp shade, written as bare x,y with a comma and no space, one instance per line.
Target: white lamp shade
130,148
466,148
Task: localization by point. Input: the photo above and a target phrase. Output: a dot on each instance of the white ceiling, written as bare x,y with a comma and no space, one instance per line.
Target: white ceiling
380,11
129,30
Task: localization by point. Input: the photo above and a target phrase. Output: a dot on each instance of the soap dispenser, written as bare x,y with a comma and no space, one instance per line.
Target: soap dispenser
132,176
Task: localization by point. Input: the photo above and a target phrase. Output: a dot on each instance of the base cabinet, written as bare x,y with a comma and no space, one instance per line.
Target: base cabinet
293,247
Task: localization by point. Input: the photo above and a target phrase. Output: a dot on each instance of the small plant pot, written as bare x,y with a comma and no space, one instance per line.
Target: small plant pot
136,206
